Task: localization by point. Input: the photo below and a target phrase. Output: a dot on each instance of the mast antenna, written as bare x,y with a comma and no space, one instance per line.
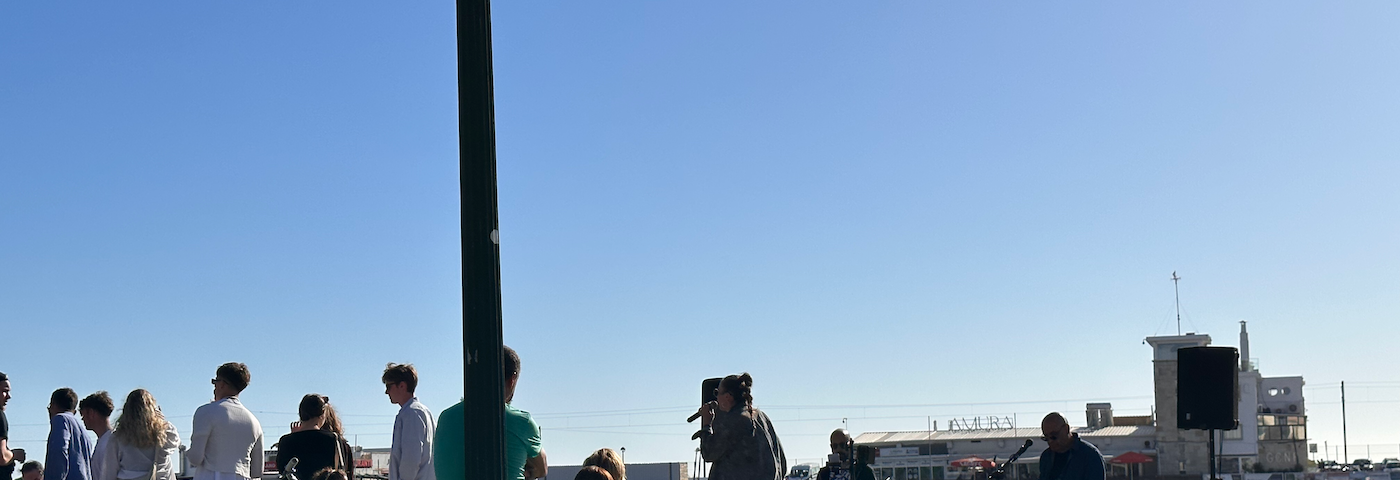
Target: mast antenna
1176,288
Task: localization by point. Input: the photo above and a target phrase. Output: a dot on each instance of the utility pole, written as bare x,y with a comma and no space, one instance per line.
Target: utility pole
483,376
1345,456
1176,288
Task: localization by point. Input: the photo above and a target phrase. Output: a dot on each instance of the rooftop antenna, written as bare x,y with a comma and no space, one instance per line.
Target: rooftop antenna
1175,287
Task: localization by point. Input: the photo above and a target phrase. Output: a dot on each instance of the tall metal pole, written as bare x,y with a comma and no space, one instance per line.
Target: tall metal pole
484,382
1346,458
1177,289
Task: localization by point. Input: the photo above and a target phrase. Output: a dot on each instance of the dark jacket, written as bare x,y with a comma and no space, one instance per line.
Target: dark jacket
1084,462
743,446
859,471
314,449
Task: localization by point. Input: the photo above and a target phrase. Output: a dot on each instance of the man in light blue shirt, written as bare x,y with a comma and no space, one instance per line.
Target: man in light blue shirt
411,457
70,449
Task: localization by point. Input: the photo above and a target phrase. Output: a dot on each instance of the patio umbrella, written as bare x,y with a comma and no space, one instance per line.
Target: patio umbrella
972,462
1132,457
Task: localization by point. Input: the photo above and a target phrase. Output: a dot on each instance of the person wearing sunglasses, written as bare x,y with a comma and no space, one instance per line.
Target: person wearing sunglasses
1067,457
738,438
227,440
848,467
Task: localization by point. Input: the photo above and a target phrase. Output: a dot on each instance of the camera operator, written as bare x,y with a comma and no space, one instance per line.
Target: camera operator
738,438
843,464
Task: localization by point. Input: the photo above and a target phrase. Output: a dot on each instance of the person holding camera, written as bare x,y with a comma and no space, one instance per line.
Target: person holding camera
842,464
738,438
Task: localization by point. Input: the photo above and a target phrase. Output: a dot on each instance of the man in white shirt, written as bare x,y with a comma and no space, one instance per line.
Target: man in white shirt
96,412
227,443
411,457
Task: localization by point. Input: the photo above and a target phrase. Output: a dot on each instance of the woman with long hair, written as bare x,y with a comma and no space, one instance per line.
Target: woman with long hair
738,438
144,445
317,441
608,459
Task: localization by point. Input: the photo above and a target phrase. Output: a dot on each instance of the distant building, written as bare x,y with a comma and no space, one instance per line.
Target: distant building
932,455
1272,433
1273,420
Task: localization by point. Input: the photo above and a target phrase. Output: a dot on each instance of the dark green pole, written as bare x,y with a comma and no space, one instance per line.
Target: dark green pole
484,398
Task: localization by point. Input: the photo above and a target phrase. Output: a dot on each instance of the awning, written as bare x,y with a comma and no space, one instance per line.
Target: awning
971,462
1131,457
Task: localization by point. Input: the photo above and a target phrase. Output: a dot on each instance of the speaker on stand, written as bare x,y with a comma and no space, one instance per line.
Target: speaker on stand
1207,392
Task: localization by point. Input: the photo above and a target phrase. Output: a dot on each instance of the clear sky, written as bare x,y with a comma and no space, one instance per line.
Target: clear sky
973,208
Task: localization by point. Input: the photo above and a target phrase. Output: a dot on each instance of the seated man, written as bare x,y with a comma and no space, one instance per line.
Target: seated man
848,467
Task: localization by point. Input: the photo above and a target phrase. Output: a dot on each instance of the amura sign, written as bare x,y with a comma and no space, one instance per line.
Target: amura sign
982,423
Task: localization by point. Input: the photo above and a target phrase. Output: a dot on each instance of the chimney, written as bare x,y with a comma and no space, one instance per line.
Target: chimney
1244,348
1099,415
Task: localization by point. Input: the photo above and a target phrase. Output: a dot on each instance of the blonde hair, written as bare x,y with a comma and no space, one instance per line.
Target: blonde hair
609,460
141,424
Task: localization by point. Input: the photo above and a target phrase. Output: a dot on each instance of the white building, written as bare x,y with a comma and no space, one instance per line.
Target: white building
1271,436
1272,417
927,455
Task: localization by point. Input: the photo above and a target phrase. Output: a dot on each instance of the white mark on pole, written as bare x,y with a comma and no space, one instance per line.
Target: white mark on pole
495,237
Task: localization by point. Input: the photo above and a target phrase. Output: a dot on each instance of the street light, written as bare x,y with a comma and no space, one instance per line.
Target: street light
624,455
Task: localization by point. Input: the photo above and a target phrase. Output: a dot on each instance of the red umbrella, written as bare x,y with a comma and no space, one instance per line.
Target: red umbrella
972,462
1132,457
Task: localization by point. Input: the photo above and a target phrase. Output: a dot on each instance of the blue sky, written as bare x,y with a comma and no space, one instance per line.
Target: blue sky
943,204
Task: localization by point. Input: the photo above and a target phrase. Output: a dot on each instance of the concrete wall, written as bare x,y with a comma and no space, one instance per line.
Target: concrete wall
1282,395
1178,451
1248,443
1282,455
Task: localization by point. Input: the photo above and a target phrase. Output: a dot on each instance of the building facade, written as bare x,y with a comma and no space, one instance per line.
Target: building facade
928,455
1272,432
1271,437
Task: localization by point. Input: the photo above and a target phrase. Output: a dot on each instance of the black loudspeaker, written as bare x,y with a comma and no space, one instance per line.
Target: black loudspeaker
1207,388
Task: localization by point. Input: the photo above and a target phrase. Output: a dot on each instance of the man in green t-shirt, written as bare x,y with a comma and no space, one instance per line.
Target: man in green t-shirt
525,459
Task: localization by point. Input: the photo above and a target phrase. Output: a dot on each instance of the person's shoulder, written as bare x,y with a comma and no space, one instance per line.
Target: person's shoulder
512,411
517,416
1086,445
306,436
210,408
452,412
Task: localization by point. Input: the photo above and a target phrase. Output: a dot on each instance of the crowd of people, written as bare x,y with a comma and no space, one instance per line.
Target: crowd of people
226,442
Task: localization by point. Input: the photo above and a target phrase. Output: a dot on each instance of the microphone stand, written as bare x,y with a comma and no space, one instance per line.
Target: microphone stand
999,473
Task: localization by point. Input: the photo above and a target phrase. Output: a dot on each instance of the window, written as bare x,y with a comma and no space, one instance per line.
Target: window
1282,427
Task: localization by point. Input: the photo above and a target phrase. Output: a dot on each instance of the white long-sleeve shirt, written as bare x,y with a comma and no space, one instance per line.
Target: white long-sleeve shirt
411,457
226,443
99,453
122,461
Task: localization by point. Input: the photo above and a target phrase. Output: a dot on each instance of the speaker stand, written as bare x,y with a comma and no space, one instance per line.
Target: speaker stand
1210,443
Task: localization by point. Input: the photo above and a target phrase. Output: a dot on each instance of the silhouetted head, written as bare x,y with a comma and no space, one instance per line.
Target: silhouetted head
1055,431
